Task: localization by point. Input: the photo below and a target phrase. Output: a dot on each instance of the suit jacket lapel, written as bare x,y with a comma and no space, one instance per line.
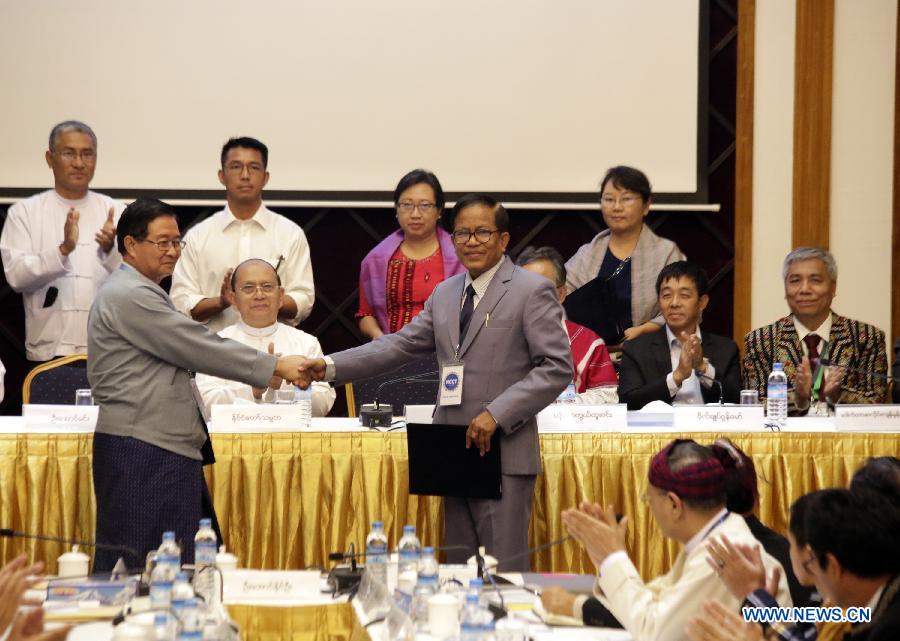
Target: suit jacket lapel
455,304
841,349
787,349
495,291
661,352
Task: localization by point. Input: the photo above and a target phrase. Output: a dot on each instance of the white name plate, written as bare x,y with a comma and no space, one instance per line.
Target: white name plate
241,586
249,417
60,418
718,418
867,418
571,417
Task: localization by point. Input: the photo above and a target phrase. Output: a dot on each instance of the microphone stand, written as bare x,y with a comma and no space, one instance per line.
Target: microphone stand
13,534
372,415
718,385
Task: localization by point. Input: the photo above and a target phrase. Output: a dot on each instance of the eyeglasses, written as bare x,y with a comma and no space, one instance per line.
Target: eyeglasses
249,289
238,168
407,207
166,245
626,201
462,236
69,155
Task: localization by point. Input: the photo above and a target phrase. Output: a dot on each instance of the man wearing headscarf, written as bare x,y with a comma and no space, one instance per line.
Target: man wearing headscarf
686,494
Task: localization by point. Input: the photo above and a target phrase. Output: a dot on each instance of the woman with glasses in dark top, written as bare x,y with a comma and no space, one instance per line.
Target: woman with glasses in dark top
611,280
399,274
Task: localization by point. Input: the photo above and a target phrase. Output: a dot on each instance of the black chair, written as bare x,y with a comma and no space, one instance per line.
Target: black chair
398,394
55,382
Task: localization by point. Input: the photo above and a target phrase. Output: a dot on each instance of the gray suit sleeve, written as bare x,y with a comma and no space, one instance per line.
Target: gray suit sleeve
149,321
548,348
387,352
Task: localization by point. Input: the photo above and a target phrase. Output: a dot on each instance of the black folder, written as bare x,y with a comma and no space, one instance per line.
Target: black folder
440,464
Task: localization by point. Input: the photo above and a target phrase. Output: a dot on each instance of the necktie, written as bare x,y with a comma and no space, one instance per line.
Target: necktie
465,314
812,345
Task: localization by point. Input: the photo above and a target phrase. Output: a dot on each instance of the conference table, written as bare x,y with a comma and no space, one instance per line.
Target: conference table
286,499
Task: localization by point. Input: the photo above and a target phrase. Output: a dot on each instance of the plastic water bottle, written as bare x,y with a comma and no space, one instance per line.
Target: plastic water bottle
168,564
470,621
426,586
376,553
428,569
409,550
162,629
206,546
182,593
776,398
161,585
476,586
303,401
169,552
191,620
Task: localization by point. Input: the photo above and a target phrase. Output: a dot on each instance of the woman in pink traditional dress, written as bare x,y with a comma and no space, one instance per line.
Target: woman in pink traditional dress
399,274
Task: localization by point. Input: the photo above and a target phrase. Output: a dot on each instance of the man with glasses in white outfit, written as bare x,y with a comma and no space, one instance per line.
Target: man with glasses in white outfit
58,246
246,228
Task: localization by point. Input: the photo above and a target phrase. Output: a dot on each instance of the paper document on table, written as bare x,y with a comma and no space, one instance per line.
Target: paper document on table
586,633
553,619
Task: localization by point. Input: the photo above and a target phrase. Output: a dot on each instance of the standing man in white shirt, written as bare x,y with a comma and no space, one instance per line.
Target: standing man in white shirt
58,246
201,284
258,296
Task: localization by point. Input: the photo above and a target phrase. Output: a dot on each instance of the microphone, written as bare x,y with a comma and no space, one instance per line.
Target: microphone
827,362
530,551
700,374
343,579
373,415
13,534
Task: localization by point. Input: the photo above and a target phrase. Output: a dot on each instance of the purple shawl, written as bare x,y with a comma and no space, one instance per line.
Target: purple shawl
373,272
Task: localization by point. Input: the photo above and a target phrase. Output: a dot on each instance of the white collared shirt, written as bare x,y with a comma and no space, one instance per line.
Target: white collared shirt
697,539
481,283
288,341
690,391
823,331
33,265
222,241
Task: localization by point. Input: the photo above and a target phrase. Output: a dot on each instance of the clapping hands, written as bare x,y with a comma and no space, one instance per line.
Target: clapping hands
597,530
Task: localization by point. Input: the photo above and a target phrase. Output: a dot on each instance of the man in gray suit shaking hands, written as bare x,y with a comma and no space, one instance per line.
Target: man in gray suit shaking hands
150,442
499,329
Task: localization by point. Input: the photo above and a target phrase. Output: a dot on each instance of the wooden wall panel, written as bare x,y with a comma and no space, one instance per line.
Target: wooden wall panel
894,330
812,122
743,180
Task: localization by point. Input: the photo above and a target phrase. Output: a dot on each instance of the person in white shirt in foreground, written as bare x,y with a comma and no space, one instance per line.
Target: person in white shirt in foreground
686,495
257,298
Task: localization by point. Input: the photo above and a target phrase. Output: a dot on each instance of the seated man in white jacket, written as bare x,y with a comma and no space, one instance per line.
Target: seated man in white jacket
257,298
686,495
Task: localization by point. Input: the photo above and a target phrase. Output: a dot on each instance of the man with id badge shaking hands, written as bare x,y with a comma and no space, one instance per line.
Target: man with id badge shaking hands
503,355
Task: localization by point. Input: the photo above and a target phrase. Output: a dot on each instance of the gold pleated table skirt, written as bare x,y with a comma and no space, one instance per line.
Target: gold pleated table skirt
285,500
337,622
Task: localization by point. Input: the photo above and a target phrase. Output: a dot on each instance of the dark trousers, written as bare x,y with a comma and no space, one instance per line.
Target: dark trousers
142,491
500,526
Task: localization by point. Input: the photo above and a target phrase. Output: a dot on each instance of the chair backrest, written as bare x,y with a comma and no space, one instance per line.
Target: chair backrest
398,394
55,382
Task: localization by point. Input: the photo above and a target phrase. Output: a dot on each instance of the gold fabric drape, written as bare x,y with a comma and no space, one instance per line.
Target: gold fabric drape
285,500
337,622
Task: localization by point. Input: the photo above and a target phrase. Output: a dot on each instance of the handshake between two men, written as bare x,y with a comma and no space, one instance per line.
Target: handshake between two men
299,370
302,372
